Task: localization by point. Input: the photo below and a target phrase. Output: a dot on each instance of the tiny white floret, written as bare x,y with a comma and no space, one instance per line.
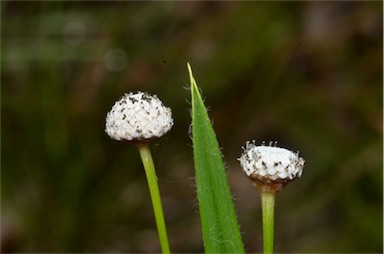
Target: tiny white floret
138,116
269,163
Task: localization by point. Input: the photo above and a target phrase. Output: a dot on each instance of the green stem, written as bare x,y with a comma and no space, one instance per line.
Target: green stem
267,206
146,157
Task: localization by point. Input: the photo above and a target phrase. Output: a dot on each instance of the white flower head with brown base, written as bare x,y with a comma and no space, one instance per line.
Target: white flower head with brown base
269,167
138,117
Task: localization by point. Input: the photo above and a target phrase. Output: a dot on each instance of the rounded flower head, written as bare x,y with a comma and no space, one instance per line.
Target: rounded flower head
269,167
138,116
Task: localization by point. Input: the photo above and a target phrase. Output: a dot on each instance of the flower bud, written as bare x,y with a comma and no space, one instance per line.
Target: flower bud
269,167
138,117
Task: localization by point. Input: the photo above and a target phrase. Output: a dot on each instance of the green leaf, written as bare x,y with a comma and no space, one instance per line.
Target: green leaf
218,218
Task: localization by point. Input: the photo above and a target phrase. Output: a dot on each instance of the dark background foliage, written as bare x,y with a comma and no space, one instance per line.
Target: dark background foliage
307,74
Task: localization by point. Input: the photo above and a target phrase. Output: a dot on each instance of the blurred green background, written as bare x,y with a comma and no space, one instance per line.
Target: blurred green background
307,74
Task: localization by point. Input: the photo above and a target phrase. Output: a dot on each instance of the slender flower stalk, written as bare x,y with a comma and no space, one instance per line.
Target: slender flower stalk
146,157
268,208
270,168
138,118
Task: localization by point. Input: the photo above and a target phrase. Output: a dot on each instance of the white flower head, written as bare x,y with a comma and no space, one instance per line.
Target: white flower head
138,116
270,167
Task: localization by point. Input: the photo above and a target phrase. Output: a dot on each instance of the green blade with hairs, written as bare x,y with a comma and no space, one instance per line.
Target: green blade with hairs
218,218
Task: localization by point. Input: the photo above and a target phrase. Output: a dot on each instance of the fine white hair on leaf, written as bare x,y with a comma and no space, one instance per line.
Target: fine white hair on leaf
187,87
